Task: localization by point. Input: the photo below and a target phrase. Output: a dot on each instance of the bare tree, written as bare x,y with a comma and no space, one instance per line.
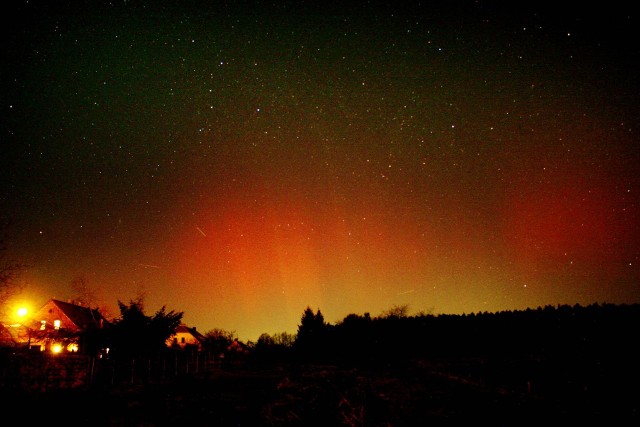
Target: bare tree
84,294
397,311
9,271
217,340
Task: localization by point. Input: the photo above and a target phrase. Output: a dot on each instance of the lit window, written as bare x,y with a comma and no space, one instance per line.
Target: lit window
56,324
43,325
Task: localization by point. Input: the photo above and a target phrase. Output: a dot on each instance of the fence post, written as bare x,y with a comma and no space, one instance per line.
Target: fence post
91,369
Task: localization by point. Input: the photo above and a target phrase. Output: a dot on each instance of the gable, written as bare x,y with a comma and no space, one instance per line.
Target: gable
71,316
185,336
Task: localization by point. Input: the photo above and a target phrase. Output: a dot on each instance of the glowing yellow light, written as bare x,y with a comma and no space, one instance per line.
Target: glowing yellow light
73,347
56,348
22,311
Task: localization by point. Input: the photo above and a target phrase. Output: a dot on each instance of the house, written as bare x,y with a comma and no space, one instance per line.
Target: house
58,325
186,337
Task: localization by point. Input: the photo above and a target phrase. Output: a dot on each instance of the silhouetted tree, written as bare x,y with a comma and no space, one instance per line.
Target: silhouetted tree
163,325
396,311
353,338
9,270
87,296
284,339
84,294
310,326
136,334
312,335
264,341
274,348
218,340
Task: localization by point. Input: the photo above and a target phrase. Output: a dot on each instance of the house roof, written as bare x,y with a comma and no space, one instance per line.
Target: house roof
81,316
187,330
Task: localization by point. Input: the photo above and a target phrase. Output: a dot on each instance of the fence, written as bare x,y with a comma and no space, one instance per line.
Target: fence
43,371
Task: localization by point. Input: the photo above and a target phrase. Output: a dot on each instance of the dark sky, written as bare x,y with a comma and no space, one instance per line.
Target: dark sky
240,161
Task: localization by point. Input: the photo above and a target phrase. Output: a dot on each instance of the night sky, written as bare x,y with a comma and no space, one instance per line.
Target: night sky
240,161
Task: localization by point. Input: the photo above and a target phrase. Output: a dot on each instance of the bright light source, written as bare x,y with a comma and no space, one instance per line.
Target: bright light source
22,311
56,348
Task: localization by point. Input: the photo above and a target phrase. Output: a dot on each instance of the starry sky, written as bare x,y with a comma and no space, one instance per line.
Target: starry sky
241,160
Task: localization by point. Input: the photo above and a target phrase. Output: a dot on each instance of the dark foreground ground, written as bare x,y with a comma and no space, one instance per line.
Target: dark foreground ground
408,393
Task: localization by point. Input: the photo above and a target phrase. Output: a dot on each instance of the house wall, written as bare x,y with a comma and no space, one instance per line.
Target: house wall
182,339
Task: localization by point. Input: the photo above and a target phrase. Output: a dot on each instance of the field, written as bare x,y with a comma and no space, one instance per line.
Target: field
408,393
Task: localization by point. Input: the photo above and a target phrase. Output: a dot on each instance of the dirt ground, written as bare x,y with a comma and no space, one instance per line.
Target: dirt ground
412,393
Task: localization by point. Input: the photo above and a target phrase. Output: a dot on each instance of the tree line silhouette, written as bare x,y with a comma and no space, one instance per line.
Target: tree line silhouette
595,332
